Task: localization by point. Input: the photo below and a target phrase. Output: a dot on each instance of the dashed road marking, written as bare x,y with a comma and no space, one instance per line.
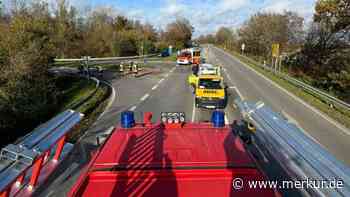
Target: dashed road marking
154,87
144,97
133,108
238,92
193,111
226,119
161,81
167,75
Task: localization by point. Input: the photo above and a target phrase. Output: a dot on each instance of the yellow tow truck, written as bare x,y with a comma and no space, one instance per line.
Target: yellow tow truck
210,92
204,69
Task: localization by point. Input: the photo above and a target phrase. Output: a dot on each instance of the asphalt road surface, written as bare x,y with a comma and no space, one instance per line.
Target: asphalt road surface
252,86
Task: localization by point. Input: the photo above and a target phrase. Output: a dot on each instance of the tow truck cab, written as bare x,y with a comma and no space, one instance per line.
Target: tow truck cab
171,158
210,92
204,69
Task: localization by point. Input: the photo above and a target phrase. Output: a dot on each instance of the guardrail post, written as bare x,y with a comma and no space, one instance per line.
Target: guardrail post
35,172
59,148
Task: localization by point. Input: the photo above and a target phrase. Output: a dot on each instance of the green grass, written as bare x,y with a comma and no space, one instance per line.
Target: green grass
73,91
172,57
91,110
339,114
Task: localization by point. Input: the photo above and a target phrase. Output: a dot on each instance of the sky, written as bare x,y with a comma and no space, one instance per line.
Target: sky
205,15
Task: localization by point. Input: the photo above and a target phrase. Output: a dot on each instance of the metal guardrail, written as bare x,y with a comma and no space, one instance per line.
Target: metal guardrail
103,58
21,163
299,155
318,92
312,90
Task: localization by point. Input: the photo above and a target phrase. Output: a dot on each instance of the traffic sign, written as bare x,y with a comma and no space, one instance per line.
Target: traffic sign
275,50
243,47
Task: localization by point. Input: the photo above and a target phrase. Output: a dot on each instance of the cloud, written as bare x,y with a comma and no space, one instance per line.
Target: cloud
302,7
173,8
226,5
278,7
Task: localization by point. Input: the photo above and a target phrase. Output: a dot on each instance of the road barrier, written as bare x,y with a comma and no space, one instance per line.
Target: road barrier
103,58
306,87
300,156
26,164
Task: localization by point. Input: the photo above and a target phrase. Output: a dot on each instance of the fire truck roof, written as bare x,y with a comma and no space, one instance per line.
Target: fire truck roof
183,161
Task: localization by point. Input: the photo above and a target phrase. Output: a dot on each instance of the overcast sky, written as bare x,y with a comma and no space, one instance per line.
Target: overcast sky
205,15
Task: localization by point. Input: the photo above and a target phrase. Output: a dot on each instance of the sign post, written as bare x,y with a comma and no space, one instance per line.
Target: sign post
243,48
275,55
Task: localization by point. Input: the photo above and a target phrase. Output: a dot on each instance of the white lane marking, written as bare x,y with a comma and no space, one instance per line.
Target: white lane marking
161,81
133,108
229,78
335,123
144,97
110,102
155,87
167,75
226,119
238,92
193,111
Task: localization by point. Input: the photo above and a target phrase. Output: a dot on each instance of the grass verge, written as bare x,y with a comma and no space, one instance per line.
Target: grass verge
78,90
338,114
91,109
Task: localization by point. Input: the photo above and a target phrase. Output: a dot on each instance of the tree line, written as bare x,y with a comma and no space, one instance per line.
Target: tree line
318,53
32,34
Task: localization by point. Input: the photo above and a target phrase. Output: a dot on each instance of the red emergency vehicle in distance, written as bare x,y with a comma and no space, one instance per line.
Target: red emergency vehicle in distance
189,56
184,57
196,55
171,158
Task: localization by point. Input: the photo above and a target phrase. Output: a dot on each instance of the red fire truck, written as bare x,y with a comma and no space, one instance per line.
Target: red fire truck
171,158
189,56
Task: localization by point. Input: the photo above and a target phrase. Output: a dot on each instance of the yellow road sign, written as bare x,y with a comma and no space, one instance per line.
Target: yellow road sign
275,50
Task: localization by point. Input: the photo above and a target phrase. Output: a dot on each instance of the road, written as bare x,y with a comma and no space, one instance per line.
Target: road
252,86
168,91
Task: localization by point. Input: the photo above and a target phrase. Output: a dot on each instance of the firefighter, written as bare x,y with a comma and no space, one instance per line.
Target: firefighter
130,66
121,68
135,68
195,69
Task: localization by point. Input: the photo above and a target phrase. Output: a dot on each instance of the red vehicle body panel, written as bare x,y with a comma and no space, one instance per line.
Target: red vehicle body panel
184,58
196,60
194,160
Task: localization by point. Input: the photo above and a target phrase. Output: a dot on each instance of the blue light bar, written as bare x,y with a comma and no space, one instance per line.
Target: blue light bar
218,118
127,119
